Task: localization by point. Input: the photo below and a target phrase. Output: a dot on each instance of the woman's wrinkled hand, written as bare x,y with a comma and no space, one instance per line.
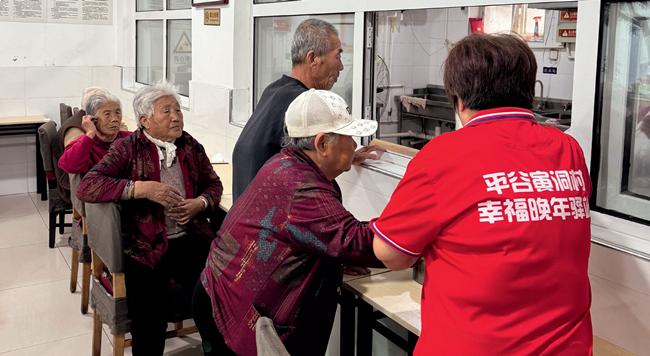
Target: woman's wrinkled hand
160,193
183,212
367,152
88,125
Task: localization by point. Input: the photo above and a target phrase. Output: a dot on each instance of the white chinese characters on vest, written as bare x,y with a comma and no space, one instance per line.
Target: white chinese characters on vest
534,208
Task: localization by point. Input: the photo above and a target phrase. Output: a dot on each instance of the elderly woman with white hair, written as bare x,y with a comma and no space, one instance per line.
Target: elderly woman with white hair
88,135
168,188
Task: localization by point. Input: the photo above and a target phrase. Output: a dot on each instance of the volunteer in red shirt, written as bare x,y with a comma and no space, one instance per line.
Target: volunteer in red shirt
499,211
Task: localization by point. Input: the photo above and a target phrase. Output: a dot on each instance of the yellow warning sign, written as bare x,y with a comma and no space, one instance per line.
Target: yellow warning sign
184,44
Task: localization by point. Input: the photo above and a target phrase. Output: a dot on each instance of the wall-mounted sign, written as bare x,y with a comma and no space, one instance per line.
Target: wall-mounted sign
566,33
569,15
97,12
208,2
212,17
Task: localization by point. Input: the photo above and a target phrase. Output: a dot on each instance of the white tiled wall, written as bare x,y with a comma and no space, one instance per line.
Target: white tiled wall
416,46
14,164
558,85
38,91
208,118
13,83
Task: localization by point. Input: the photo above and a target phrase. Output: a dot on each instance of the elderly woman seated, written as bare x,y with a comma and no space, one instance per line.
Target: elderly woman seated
167,187
281,247
88,135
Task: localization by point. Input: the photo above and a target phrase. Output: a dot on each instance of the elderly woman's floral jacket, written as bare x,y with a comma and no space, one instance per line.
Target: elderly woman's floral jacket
143,221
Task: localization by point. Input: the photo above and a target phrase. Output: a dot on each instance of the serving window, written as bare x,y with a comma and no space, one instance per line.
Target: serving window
403,86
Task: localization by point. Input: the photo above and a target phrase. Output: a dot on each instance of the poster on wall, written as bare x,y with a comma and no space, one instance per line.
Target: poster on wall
89,12
4,10
25,11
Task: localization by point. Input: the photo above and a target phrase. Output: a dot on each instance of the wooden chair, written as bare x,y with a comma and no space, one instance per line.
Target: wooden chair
59,204
79,244
110,307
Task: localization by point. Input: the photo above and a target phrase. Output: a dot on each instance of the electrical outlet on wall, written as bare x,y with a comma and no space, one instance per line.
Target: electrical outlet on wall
554,55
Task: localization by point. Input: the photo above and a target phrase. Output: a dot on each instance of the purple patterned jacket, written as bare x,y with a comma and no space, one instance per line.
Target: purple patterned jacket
136,158
279,254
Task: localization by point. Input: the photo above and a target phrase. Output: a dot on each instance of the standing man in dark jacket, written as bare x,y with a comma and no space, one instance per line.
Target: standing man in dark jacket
316,63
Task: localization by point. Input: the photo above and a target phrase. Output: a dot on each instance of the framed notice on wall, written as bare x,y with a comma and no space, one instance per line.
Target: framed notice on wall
208,2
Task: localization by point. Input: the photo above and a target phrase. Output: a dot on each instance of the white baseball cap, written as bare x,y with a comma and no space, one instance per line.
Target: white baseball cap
323,111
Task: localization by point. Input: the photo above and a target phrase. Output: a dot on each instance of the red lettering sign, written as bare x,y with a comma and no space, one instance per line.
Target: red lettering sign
569,15
567,33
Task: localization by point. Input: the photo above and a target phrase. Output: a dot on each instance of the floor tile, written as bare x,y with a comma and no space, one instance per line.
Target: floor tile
22,230
41,205
74,346
40,314
66,253
186,346
620,314
16,205
38,264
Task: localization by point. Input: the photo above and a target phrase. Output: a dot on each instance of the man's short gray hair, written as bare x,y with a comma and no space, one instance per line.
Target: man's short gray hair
304,143
94,97
311,34
145,98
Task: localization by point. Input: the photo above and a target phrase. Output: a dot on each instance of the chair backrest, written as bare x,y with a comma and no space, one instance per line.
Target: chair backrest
47,136
51,151
267,340
77,204
105,234
65,112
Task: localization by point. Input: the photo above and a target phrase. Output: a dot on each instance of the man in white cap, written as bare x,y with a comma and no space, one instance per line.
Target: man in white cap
280,249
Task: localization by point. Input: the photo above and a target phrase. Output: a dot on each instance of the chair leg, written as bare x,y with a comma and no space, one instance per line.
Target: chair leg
61,223
118,345
97,334
52,229
74,270
85,287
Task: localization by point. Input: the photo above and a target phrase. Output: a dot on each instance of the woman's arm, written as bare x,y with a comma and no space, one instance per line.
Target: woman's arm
318,222
208,189
106,180
76,157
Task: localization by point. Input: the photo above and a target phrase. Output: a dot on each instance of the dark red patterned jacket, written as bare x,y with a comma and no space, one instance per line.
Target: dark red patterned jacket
136,158
279,253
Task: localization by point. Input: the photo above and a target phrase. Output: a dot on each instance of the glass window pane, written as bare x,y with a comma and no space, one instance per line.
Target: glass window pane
269,1
527,22
624,172
179,54
149,5
149,51
273,37
179,4
497,19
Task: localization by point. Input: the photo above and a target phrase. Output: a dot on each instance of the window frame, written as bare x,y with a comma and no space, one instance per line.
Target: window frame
623,231
255,53
129,82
